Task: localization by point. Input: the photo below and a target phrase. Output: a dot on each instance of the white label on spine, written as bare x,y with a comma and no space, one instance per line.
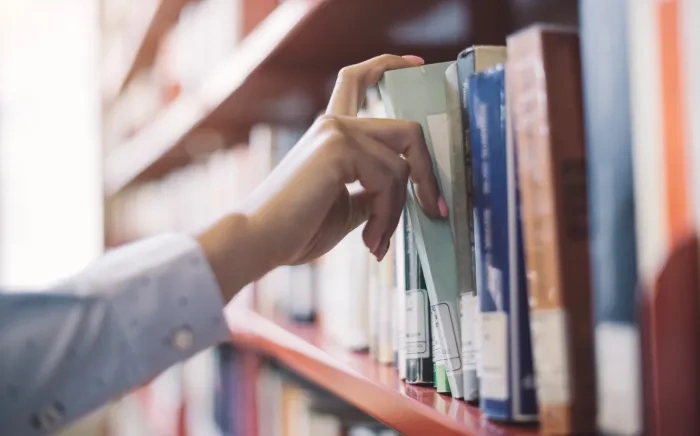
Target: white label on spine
438,352
470,306
417,327
447,317
549,342
401,332
619,378
494,355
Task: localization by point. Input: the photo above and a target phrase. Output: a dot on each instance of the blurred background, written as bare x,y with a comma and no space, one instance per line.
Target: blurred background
121,119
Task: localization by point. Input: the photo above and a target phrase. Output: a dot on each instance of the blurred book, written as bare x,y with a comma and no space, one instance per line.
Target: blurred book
612,223
507,384
469,61
666,247
544,91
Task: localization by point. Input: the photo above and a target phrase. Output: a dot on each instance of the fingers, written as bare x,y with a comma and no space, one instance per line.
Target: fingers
406,138
352,82
385,179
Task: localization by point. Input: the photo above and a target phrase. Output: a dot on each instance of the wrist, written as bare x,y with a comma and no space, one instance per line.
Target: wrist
235,250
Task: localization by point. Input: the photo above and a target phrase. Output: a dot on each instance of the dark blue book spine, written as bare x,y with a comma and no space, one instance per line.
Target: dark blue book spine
604,59
506,367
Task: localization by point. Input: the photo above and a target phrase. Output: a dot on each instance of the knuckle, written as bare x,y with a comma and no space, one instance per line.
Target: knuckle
329,123
415,130
347,73
404,171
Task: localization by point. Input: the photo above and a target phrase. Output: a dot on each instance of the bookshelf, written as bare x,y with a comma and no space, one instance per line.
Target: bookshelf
284,69
356,378
282,73
141,54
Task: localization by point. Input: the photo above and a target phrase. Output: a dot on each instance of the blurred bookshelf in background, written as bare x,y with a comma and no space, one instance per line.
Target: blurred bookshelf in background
203,98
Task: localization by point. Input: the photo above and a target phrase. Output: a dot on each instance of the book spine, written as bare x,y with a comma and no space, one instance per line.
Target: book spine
419,363
460,218
690,11
505,365
544,70
440,381
603,27
666,249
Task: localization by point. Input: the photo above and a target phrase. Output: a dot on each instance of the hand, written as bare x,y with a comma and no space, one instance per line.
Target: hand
303,209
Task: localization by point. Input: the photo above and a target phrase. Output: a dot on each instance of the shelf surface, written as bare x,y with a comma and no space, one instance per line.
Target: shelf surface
357,379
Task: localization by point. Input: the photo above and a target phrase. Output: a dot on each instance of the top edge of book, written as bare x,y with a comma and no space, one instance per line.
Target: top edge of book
481,48
546,28
438,67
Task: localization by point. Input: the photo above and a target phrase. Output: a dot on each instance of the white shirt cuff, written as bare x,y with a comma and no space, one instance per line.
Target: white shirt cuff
166,297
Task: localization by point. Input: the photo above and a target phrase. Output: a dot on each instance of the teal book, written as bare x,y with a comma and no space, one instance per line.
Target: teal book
418,94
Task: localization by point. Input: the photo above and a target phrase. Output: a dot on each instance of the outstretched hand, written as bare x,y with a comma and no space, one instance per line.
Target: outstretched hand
304,208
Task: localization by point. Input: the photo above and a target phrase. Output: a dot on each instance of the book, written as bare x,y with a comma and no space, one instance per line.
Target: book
544,88
469,61
507,386
613,248
690,11
419,363
666,247
387,286
426,105
345,311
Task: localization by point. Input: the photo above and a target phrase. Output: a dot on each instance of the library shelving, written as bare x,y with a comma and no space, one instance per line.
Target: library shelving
162,17
284,69
356,378
282,73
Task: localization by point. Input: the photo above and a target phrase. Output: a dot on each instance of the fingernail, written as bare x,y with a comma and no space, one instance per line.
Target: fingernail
417,59
442,205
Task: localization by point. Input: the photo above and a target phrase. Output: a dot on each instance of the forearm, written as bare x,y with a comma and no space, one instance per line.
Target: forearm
129,316
237,251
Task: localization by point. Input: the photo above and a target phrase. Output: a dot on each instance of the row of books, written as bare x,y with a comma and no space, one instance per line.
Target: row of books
263,398
564,286
205,35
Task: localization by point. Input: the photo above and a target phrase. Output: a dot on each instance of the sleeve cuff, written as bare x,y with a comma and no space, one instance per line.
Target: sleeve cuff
166,297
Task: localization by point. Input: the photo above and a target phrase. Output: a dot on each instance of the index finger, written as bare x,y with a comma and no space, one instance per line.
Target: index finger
405,138
351,85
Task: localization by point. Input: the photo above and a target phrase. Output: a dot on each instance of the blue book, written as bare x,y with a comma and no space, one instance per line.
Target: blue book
604,61
505,366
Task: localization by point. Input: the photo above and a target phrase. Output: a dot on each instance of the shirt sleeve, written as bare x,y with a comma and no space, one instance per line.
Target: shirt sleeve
132,314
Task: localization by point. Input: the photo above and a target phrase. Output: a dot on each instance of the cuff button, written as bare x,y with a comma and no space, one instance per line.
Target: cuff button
182,338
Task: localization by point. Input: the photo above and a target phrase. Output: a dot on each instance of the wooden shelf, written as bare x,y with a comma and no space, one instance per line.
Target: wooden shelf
283,71
142,54
354,377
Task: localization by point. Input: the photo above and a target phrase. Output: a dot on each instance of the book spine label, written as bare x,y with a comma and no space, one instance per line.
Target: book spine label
417,325
447,313
401,332
469,309
440,381
619,378
494,358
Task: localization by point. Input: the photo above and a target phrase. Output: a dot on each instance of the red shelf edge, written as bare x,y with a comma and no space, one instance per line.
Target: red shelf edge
252,331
